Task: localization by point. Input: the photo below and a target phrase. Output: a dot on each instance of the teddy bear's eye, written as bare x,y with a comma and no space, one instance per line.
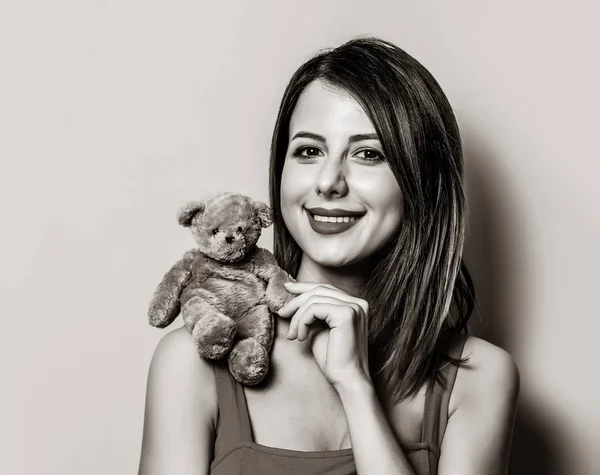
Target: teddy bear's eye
215,231
239,229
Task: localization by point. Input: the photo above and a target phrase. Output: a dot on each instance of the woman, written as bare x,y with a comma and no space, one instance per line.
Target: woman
372,372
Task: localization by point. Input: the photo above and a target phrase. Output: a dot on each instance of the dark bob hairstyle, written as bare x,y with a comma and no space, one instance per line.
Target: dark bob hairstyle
420,292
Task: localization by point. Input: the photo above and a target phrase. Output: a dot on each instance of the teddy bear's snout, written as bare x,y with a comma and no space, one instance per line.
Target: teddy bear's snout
229,239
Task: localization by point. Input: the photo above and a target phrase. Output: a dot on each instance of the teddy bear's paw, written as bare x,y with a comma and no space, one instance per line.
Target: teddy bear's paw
249,362
214,336
276,296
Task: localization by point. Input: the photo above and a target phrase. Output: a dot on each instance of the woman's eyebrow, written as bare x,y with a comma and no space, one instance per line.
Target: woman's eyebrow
309,135
359,137
320,138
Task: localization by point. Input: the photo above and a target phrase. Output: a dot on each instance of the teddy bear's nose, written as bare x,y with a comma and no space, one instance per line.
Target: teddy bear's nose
229,239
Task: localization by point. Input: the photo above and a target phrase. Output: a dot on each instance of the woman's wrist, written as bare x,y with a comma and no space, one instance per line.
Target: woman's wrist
356,387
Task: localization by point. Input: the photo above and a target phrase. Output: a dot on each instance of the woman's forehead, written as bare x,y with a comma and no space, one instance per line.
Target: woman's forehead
325,109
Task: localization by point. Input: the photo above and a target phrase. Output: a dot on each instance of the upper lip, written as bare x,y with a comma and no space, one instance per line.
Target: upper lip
336,212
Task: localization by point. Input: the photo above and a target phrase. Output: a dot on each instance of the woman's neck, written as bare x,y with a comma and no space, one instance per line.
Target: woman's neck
350,279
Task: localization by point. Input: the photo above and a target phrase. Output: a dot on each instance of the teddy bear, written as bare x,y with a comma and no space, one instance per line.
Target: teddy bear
227,288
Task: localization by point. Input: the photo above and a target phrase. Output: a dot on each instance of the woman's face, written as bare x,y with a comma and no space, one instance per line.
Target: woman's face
340,200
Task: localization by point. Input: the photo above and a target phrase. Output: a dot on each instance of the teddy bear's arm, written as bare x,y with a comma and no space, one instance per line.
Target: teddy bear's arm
265,267
165,304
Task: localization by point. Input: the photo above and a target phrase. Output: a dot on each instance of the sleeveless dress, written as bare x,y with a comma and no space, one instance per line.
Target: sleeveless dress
236,453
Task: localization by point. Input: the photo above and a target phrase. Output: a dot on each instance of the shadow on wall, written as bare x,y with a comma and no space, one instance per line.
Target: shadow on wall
496,258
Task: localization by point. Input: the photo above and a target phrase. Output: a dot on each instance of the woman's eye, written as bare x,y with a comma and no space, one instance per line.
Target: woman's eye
370,155
215,232
307,152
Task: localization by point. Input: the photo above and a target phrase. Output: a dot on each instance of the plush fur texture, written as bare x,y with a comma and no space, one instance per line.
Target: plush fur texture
227,288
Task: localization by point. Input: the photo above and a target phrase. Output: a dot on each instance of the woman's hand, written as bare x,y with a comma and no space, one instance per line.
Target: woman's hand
340,346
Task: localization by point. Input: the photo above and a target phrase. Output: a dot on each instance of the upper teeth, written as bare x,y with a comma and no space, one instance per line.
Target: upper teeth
335,219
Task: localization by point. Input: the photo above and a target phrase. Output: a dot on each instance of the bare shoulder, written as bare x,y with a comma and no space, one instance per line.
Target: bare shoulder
482,411
489,375
181,408
177,346
177,368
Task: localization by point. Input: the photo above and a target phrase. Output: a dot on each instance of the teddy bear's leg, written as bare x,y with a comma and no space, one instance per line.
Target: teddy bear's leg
212,330
249,358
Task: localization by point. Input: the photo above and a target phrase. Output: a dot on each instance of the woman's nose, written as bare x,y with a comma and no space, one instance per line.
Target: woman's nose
331,180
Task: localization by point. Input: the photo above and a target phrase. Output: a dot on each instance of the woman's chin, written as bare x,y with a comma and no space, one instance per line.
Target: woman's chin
337,259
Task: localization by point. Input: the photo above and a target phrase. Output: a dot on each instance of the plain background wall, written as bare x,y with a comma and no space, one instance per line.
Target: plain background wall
114,113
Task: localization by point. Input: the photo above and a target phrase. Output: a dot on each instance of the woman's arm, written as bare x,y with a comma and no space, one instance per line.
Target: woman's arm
342,355
181,410
481,413
375,447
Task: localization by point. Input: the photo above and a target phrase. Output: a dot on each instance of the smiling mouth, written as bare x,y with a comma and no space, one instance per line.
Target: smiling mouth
334,219
331,224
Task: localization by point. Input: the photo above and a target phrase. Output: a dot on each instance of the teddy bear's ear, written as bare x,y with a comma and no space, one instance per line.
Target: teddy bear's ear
187,212
264,214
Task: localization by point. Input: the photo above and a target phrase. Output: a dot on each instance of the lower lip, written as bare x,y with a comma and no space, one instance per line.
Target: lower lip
322,227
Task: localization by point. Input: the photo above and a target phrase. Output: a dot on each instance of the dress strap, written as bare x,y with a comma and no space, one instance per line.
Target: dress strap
435,417
233,427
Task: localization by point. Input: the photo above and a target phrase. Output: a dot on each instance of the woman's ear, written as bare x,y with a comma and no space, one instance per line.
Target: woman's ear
187,212
264,214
